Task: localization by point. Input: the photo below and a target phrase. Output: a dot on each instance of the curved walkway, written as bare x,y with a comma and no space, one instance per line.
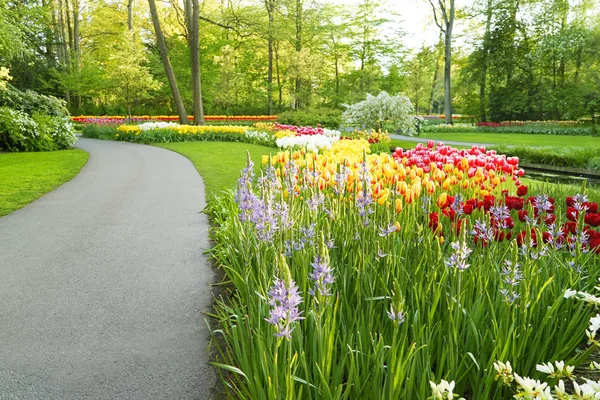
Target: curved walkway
103,282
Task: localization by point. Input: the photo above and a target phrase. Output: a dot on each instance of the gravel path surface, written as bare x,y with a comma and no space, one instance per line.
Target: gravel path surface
103,283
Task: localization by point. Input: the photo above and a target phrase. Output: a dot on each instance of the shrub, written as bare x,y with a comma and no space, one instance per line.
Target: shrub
31,102
594,163
326,117
553,155
374,112
94,131
18,132
59,129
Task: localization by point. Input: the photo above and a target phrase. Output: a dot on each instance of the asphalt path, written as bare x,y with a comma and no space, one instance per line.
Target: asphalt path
103,283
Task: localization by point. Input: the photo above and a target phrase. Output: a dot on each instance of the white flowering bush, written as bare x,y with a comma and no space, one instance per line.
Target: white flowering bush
20,132
375,111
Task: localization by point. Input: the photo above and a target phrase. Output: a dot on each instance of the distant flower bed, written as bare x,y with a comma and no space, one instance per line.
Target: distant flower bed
119,119
276,135
163,132
526,127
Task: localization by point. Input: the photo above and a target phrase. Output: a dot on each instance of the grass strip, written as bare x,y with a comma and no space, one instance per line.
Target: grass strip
25,177
219,163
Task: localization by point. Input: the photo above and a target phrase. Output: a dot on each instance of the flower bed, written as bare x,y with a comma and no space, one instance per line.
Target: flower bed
426,272
163,132
525,127
119,119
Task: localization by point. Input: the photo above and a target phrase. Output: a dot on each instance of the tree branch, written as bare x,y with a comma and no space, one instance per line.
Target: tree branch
435,16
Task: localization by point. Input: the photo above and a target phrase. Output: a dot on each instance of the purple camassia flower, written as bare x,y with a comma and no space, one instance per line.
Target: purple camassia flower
383,231
340,180
456,206
511,276
291,177
284,300
322,277
509,296
578,201
396,316
482,231
364,204
308,234
499,213
268,182
458,259
315,201
330,244
244,196
541,203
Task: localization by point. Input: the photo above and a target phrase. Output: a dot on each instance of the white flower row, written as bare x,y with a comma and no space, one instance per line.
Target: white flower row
148,126
257,135
311,142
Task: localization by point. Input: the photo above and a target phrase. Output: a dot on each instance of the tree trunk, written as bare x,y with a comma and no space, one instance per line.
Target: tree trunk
130,15
299,9
162,46
484,62
448,65
270,5
563,27
279,86
69,26
192,11
435,74
76,49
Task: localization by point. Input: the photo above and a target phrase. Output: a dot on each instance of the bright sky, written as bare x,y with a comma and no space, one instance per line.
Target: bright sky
415,18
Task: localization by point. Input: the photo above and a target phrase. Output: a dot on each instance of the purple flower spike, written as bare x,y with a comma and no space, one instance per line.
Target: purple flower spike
285,300
396,316
322,276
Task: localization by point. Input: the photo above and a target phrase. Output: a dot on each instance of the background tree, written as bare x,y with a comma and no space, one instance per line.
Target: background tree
444,13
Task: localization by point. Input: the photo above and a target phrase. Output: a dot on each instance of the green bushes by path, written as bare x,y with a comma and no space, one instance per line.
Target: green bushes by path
30,121
24,177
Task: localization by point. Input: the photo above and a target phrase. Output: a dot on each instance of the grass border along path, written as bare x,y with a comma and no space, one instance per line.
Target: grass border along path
219,163
25,177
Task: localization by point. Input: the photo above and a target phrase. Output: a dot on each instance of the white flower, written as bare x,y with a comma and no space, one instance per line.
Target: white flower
148,126
442,391
504,372
561,370
533,389
311,142
570,293
559,390
587,390
545,368
595,323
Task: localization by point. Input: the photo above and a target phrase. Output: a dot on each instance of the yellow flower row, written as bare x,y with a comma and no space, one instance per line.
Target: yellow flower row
189,129
391,181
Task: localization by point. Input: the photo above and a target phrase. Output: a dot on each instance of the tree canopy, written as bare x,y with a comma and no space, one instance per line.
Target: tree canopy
515,60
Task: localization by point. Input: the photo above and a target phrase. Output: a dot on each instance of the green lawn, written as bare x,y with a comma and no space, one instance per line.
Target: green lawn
24,177
407,144
219,163
515,139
